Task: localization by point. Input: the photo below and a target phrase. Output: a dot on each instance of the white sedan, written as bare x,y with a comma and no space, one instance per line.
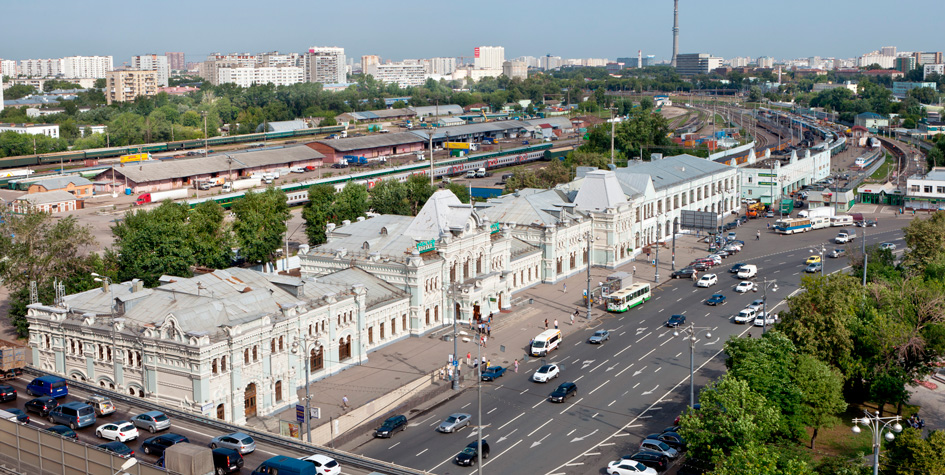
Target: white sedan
745,286
629,467
323,464
121,431
545,373
707,280
762,319
756,304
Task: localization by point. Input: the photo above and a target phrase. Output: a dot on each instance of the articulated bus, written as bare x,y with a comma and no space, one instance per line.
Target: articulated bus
629,297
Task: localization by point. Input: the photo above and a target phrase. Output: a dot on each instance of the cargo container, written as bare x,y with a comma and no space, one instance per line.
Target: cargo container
12,359
135,157
188,459
157,196
243,184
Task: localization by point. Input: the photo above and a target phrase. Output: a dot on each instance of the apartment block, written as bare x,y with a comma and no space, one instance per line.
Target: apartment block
369,60
932,69
440,66
515,70
405,73
696,63
87,66
176,61
931,57
246,77
153,62
326,65
41,68
489,57
8,68
125,86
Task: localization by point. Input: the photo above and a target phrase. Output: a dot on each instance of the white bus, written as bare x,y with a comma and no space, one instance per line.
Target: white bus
629,297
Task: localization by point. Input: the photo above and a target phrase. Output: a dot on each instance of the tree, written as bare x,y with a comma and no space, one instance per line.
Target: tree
925,95
837,465
18,91
757,459
646,103
580,158
211,239
925,239
152,243
260,224
460,191
545,177
101,83
38,248
350,203
419,190
390,197
821,389
909,453
731,416
316,212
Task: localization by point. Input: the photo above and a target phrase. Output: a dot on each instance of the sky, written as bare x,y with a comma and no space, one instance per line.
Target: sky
413,29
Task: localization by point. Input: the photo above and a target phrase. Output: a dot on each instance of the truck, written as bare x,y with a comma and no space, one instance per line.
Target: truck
822,212
188,459
12,360
756,209
242,184
787,205
158,196
354,160
134,157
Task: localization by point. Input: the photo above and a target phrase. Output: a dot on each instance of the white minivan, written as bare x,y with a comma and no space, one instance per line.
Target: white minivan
747,271
545,342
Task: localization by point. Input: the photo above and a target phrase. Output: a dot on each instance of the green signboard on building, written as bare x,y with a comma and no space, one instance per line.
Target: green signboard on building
426,246
494,228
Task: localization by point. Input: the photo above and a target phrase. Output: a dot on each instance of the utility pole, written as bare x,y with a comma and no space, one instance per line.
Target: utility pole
588,236
612,131
204,133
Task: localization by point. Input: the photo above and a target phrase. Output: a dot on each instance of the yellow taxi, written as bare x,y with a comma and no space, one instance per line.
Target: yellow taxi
812,260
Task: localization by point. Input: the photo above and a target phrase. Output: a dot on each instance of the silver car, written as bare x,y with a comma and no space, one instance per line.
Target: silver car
237,441
454,422
153,421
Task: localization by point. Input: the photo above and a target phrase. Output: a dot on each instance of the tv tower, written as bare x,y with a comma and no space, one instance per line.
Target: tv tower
675,31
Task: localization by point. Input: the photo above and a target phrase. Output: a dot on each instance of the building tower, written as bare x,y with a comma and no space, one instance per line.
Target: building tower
675,31
639,58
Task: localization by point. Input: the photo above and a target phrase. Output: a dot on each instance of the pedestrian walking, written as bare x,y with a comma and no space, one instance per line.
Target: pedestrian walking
572,319
490,319
634,270
468,358
515,364
546,324
485,339
565,289
484,361
556,324
489,330
344,401
758,235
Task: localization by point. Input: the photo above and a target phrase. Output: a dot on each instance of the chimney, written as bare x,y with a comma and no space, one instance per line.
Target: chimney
136,285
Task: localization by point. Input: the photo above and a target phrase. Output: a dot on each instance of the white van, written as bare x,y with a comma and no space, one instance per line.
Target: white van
545,342
841,220
470,173
480,173
747,271
819,222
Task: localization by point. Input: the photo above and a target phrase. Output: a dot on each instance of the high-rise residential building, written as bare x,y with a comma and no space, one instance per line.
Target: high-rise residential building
8,68
515,69
489,57
696,63
326,65
931,57
905,63
153,62
549,62
869,59
407,73
740,62
932,69
649,60
440,66
275,75
40,68
888,51
369,60
276,59
176,61
87,66
765,62
1,94
126,85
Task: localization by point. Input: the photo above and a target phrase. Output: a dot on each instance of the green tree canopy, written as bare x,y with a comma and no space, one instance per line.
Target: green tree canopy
316,213
152,243
260,224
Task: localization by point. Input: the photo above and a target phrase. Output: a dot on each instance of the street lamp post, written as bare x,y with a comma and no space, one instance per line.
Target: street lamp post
877,426
303,342
691,332
764,304
588,237
656,277
455,379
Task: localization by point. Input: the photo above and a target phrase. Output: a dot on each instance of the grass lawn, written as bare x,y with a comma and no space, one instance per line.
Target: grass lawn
880,173
840,439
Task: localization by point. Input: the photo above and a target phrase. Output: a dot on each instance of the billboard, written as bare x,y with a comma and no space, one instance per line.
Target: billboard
476,52
699,220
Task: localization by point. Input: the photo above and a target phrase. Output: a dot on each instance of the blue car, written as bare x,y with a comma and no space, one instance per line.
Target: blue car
158,444
716,299
492,373
675,321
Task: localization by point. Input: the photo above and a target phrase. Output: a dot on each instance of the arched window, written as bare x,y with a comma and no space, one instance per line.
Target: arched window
213,367
223,363
246,356
255,353
316,359
281,343
272,346
278,391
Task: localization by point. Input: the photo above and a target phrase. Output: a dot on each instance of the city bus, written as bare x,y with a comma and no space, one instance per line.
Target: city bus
629,297
792,225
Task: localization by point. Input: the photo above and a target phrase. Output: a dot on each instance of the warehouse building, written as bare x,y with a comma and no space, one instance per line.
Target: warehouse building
371,146
154,175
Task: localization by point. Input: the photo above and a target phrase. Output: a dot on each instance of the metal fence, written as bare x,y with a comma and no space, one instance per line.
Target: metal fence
267,437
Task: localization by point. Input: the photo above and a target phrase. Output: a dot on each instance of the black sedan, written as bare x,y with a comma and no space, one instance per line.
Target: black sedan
118,449
654,460
671,439
64,431
684,273
158,444
470,454
20,415
41,405
736,267
564,391
675,321
7,393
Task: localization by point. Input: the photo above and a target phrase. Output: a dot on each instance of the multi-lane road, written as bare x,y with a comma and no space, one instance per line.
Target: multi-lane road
632,385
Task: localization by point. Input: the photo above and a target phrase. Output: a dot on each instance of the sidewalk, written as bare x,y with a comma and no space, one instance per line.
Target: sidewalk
402,362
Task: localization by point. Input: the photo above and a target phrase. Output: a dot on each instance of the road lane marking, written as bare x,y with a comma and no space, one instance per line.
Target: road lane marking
569,433
523,392
421,453
575,403
607,444
662,310
395,445
598,366
493,410
539,403
539,427
491,459
644,336
467,404
667,341
621,333
579,378
498,387
621,372
648,354
782,263
598,387
635,386
431,417
611,404
677,356
621,351
658,369
509,422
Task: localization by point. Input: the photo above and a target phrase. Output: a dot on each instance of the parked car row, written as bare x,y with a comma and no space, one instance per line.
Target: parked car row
656,453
